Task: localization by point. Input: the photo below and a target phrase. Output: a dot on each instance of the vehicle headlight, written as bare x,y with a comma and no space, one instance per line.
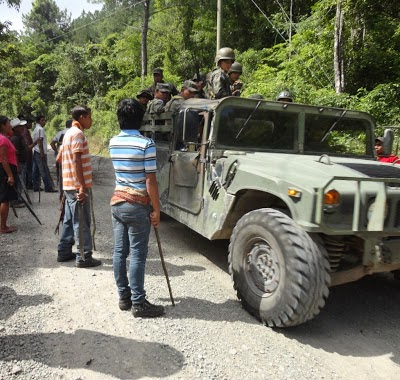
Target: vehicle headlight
331,200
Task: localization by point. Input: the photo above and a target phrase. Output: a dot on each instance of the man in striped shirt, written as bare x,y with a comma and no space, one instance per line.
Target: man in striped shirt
77,183
135,206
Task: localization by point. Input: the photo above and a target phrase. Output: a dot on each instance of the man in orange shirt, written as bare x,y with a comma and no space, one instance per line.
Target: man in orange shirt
77,183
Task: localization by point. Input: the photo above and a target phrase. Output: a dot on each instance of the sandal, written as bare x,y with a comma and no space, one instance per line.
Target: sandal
8,230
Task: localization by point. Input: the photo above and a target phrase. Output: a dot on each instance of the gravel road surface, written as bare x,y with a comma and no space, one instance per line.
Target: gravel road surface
61,322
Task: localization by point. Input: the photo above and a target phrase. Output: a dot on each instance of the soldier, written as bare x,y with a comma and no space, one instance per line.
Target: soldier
285,96
234,74
188,91
144,97
218,83
158,76
200,80
161,97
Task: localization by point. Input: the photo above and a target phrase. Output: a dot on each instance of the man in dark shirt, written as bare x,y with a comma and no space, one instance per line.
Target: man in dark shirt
22,150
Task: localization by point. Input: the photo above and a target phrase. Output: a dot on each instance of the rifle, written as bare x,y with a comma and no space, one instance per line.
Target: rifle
62,213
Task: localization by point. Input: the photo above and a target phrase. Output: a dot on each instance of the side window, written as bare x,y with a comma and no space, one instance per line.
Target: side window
188,125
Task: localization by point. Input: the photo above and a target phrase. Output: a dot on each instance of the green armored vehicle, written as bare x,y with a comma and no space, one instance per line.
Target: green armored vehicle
297,189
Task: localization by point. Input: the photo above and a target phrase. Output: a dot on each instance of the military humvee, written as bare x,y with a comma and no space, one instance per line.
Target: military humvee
296,188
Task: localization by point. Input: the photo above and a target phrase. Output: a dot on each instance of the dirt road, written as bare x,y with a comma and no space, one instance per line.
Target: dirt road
60,322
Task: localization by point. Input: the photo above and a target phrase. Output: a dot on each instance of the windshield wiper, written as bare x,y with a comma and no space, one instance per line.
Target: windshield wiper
248,119
333,125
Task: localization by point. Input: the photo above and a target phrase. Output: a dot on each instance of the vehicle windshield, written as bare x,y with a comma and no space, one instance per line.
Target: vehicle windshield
264,129
256,129
348,137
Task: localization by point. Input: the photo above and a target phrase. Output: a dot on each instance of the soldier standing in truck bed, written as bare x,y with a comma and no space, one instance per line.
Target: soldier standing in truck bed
188,91
218,83
161,96
158,77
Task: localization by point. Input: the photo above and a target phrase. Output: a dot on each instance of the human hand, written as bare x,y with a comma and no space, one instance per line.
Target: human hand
10,181
81,196
155,218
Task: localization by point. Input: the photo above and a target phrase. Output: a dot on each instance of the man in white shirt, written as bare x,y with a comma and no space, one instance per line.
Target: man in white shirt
40,167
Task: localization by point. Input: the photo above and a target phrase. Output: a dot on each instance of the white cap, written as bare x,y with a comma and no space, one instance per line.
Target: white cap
16,122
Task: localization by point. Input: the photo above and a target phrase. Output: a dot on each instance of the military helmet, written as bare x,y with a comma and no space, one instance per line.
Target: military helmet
236,68
285,96
225,53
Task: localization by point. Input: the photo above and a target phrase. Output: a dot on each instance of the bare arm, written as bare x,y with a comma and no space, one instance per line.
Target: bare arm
152,190
79,175
53,145
6,165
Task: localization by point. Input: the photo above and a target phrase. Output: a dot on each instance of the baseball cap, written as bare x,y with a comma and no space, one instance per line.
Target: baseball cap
379,139
157,70
16,122
145,93
163,87
190,85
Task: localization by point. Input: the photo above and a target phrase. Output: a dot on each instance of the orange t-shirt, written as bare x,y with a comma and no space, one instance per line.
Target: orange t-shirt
75,142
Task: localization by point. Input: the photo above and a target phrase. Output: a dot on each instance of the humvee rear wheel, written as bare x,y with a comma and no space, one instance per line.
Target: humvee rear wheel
281,275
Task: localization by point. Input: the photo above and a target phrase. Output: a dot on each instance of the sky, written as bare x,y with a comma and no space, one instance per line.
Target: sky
74,7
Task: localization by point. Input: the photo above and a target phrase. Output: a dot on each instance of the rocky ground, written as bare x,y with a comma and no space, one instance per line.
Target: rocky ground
61,322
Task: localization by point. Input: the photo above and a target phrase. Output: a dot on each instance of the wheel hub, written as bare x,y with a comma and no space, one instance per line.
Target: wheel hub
262,266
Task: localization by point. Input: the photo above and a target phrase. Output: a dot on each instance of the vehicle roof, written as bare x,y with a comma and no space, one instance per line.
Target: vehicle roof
211,105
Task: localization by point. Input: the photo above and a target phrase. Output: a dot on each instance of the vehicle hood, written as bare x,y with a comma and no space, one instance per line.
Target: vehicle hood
309,169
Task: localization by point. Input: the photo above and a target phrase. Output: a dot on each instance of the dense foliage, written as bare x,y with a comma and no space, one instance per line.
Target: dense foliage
55,63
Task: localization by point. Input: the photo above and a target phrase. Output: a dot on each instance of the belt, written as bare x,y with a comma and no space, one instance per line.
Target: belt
132,198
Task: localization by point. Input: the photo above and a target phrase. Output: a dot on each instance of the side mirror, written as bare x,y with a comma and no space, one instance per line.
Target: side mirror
388,138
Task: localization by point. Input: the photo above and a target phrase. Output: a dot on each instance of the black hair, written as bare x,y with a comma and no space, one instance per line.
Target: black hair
68,123
79,111
3,120
21,117
130,114
38,117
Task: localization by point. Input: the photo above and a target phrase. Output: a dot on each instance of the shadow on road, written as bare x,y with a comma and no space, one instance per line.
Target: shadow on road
10,301
359,319
120,357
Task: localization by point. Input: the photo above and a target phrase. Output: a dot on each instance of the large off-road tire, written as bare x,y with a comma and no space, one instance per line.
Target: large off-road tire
281,275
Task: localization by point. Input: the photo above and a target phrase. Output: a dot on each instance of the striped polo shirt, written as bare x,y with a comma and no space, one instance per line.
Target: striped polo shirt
75,142
133,156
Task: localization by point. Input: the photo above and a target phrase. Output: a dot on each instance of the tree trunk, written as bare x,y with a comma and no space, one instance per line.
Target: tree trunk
145,28
338,54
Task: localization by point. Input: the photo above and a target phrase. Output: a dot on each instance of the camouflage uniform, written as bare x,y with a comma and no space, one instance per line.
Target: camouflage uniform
174,104
218,84
155,106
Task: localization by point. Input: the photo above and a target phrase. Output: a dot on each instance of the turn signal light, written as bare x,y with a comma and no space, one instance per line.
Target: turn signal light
294,193
332,197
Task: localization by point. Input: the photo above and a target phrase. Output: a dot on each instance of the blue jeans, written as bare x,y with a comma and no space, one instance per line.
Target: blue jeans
131,224
70,230
41,170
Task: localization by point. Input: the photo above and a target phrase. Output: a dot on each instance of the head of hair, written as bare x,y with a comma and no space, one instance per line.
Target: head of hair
3,120
79,111
68,123
130,114
38,117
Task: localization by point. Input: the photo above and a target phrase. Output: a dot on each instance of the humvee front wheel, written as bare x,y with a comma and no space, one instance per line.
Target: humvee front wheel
279,272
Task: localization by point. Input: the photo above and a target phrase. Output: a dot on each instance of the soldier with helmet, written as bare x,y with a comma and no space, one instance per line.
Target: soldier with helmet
285,96
218,83
234,74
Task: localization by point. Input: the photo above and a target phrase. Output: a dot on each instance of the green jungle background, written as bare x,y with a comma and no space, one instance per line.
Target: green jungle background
56,63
